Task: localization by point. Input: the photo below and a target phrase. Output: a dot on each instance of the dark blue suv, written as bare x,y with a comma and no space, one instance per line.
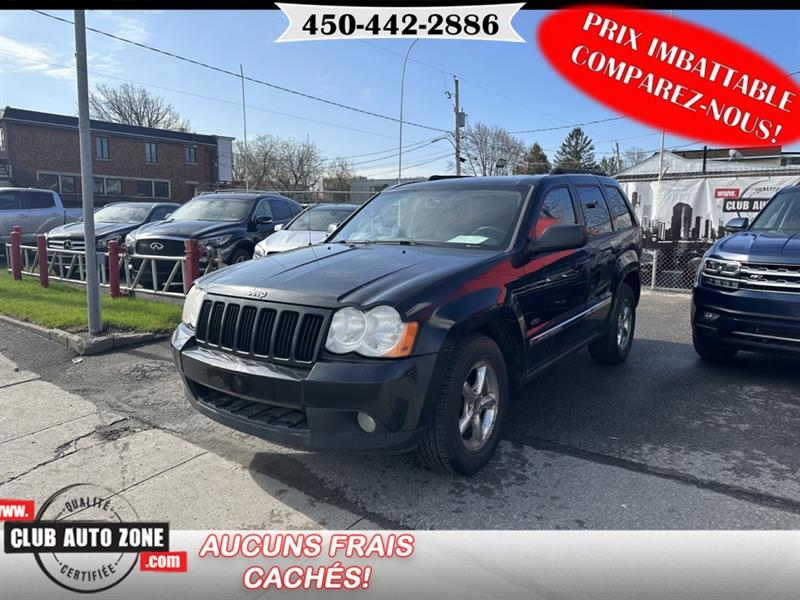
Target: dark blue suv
747,291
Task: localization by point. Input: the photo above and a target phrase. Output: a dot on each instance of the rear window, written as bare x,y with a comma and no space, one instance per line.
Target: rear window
619,208
37,200
595,210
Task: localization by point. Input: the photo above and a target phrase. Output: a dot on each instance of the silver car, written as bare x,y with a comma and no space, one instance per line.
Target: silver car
310,227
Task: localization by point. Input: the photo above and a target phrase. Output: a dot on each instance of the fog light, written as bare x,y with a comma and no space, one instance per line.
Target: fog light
366,422
710,316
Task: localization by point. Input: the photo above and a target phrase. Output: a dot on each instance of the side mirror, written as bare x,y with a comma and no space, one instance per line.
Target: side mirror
559,237
278,227
737,224
263,220
332,227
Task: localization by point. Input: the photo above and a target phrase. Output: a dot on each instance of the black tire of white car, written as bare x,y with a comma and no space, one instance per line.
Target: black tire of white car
444,448
608,349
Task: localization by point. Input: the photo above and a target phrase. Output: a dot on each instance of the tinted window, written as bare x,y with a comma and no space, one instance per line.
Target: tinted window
8,201
595,211
263,210
782,214
280,210
619,208
160,213
556,209
319,219
295,208
37,200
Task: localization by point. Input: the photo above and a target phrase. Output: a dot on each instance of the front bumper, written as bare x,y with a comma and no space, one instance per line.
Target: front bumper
313,408
755,321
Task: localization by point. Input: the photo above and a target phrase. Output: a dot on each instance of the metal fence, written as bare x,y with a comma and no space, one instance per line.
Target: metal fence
670,268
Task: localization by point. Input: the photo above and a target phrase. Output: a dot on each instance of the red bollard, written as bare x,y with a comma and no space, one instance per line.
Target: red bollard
191,270
16,253
113,268
41,247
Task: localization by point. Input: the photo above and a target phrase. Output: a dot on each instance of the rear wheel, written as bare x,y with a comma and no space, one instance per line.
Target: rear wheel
471,409
239,256
614,345
712,352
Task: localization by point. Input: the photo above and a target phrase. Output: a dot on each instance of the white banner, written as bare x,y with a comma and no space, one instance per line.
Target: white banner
324,22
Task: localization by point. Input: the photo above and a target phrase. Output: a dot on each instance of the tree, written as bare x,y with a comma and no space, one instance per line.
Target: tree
533,161
134,105
278,164
490,150
632,156
608,165
576,151
339,174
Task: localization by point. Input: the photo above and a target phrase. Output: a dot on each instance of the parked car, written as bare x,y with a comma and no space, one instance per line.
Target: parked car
747,292
411,324
228,223
35,211
111,222
310,227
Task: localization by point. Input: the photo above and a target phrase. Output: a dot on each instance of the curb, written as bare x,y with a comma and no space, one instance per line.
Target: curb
86,345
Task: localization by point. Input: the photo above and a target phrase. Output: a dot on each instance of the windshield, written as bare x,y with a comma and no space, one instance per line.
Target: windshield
122,214
318,219
782,214
459,216
213,209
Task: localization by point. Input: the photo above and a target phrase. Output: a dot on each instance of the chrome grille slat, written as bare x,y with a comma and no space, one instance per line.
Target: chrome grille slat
770,277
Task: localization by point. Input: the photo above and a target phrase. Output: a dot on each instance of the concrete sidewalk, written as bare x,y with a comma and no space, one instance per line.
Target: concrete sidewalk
50,438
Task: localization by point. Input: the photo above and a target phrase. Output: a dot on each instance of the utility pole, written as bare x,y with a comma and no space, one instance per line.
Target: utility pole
244,123
619,162
87,185
459,124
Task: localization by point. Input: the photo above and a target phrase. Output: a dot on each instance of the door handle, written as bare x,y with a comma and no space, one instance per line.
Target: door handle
22,216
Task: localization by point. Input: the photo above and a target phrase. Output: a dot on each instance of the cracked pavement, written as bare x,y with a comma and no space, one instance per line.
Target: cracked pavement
662,442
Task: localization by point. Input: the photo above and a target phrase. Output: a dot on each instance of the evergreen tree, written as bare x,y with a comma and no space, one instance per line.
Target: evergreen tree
608,165
533,161
576,151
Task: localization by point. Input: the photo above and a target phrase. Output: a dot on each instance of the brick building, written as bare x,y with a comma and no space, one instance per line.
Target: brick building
128,162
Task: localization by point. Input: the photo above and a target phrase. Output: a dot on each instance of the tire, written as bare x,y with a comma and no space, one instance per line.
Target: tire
614,345
239,255
446,447
711,352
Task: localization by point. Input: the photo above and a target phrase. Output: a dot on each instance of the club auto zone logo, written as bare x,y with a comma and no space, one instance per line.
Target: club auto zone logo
87,538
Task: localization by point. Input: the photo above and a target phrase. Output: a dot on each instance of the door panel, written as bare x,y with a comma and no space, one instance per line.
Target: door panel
11,214
42,211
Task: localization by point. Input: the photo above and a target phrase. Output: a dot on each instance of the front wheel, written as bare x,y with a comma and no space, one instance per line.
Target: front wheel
471,409
614,345
239,256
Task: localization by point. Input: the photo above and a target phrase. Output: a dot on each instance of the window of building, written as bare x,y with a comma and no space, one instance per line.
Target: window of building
595,210
191,154
99,186
556,209
161,189
101,147
151,152
67,184
113,186
48,181
144,188
2,139
619,208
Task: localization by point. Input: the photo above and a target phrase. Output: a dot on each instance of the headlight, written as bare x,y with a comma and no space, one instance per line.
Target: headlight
377,332
260,251
191,306
215,241
721,273
130,239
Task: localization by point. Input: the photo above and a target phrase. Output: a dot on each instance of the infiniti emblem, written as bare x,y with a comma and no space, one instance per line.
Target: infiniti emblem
156,246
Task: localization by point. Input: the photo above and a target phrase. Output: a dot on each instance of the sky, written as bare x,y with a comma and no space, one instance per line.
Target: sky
501,83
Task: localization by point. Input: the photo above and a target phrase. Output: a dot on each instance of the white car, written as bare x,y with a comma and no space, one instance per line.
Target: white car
310,227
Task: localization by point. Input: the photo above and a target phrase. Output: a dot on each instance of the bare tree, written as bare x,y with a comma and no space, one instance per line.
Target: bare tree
339,174
278,164
134,105
633,155
490,150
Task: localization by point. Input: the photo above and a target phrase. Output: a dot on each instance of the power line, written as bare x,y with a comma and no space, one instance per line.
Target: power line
570,126
246,78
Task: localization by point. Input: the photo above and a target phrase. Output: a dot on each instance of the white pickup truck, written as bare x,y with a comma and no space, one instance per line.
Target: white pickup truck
36,211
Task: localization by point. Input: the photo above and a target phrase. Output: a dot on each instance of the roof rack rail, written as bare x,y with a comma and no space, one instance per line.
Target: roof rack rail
569,171
237,191
438,177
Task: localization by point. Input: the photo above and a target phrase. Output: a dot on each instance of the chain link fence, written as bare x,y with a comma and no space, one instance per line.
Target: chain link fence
670,268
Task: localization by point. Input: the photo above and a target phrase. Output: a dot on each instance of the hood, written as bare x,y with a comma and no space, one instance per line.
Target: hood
187,229
763,246
286,240
333,274
101,230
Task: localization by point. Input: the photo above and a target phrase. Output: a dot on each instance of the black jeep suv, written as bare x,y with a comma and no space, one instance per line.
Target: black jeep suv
747,291
409,325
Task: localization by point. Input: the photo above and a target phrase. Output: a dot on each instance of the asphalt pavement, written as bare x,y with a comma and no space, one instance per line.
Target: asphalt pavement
664,441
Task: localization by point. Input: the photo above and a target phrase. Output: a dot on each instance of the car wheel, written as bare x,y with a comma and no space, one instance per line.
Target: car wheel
712,352
239,256
613,347
471,409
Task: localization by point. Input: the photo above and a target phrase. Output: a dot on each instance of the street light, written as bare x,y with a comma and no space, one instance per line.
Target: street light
402,86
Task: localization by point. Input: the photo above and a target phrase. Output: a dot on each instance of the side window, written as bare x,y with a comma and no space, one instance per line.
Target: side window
160,213
557,209
280,210
295,208
33,200
595,211
9,201
262,210
619,208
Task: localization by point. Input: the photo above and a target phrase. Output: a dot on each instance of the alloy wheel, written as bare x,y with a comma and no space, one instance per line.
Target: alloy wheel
478,415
